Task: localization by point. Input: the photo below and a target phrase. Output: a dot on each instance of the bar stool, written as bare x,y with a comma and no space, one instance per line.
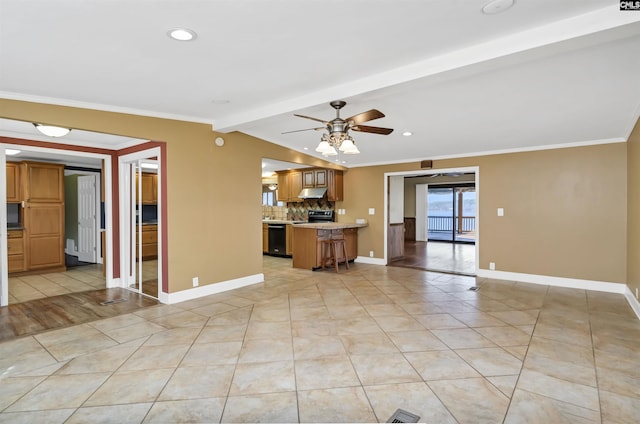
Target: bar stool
330,249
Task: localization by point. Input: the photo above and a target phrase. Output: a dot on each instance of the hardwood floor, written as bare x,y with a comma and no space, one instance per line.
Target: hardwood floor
439,256
54,312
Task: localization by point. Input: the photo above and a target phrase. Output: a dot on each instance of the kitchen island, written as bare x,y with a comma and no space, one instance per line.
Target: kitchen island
308,239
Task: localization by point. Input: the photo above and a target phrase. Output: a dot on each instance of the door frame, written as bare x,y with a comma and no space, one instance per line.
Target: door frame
419,173
98,200
4,275
126,214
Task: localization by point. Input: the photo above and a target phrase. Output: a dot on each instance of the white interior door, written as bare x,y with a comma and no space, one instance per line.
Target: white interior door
87,219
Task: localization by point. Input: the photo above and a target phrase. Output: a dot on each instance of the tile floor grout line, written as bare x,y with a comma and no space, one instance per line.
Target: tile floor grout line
235,366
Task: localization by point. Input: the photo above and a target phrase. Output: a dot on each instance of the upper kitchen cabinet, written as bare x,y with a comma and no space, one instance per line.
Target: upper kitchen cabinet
291,183
13,183
334,185
149,188
314,178
289,186
42,182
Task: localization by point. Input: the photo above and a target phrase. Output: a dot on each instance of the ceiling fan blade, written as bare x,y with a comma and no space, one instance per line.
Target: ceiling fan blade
369,115
374,130
311,117
306,129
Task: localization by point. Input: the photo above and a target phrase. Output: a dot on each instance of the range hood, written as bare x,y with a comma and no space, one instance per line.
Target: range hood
312,193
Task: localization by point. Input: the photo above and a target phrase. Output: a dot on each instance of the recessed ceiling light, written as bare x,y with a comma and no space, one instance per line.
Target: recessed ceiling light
306,148
496,6
407,133
182,34
11,152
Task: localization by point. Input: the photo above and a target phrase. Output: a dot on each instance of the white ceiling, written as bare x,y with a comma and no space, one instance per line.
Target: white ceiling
542,73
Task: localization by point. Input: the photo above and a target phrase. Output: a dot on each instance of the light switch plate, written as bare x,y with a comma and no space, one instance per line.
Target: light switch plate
372,211
500,211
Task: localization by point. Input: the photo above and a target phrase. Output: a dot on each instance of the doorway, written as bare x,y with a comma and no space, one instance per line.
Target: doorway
438,218
140,178
26,283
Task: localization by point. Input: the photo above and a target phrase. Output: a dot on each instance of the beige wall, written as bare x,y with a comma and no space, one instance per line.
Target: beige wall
214,193
565,210
633,202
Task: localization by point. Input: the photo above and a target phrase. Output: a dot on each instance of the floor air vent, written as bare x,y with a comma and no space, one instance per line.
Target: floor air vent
402,416
474,288
111,302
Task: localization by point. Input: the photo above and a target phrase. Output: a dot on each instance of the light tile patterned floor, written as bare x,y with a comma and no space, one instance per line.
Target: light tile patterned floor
349,347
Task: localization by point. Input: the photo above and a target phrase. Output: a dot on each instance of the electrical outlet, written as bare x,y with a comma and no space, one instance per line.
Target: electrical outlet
371,253
372,211
492,266
196,281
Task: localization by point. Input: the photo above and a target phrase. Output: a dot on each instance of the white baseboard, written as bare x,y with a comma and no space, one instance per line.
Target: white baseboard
547,280
633,302
372,261
573,283
196,292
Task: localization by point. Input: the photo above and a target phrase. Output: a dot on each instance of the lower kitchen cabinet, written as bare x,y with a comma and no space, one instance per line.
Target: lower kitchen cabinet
307,245
149,242
265,238
15,250
289,249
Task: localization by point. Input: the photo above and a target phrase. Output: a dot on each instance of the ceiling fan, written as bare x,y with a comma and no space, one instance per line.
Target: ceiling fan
337,136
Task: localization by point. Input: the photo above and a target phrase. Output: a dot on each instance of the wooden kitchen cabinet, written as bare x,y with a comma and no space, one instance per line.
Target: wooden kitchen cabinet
44,228
307,245
149,242
308,179
149,188
13,183
289,249
265,238
351,239
42,182
295,186
291,183
15,251
335,185
320,178
283,187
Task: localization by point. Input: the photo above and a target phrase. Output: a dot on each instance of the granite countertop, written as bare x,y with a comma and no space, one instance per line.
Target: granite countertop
330,225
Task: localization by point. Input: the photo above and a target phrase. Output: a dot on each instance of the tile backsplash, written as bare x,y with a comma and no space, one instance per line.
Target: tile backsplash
295,211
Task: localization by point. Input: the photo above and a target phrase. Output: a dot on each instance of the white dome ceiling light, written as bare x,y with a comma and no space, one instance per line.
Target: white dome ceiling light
51,130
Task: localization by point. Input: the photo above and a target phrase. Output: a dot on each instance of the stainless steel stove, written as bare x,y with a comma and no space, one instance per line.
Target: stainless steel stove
321,216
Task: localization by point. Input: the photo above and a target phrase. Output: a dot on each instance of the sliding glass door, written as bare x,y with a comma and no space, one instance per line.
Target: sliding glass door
451,213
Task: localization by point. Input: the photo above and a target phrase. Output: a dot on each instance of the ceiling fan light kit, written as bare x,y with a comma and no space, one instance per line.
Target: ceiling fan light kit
337,139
